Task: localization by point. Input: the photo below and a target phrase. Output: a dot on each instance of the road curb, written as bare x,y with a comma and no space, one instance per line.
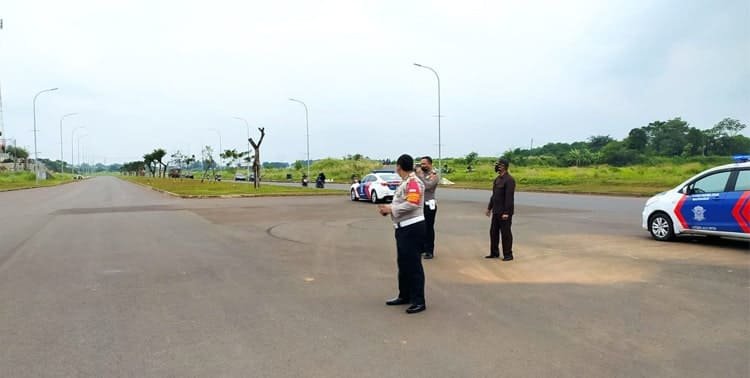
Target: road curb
228,196
39,187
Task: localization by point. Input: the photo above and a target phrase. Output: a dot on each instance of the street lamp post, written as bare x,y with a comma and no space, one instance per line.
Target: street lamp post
36,152
440,165
248,144
79,150
220,149
62,159
307,130
72,134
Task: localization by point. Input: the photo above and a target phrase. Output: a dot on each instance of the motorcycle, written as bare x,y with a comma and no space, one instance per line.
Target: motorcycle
319,183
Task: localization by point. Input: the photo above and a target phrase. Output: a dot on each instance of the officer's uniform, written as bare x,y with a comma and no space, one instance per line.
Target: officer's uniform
408,219
430,181
501,203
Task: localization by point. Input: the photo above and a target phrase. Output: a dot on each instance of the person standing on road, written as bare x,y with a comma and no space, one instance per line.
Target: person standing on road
500,209
406,212
430,179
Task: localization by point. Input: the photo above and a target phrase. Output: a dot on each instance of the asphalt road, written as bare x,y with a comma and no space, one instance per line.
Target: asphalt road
106,278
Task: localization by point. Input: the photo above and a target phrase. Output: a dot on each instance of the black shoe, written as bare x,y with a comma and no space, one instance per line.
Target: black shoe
507,258
428,255
491,257
397,301
413,309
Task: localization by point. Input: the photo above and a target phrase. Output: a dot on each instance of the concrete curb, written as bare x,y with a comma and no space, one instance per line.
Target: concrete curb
227,196
39,187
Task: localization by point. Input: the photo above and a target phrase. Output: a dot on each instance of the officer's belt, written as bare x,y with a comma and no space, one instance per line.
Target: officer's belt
408,222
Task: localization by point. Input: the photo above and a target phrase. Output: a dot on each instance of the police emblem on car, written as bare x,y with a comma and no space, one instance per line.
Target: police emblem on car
699,213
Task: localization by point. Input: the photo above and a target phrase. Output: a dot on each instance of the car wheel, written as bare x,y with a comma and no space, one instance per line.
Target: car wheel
374,197
660,226
353,195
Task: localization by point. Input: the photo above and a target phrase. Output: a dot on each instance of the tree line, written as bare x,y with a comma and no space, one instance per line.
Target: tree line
672,138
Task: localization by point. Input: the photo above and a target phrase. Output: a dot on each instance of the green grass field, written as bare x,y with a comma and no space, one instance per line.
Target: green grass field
27,180
638,180
194,188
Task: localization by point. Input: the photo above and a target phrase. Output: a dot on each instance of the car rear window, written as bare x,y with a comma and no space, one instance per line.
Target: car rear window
743,181
390,177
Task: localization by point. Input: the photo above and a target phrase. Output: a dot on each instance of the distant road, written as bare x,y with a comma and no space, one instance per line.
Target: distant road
614,205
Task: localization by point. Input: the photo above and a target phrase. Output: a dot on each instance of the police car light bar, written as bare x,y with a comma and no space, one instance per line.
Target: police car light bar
741,158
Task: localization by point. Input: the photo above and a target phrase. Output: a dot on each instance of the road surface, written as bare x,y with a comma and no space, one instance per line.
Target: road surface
106,278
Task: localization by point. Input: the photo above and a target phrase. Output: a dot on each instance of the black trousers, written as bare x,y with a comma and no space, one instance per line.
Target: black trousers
429,225
497,228
409,244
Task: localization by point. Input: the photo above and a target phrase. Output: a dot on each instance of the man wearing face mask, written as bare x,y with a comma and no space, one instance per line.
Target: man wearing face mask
429,178
500,209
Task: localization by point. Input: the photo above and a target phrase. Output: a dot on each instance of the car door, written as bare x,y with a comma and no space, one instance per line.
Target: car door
740,197
364,187
708,204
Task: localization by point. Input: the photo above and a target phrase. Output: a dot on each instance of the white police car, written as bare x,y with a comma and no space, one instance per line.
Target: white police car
378,185
714,202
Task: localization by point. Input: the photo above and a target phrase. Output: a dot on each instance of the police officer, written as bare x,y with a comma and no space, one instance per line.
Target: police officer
406,212
500,209
430,179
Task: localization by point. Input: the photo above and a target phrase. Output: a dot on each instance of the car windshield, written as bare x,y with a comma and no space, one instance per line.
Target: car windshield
390,177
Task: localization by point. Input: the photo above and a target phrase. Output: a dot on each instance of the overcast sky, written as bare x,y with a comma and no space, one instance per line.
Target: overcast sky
147,74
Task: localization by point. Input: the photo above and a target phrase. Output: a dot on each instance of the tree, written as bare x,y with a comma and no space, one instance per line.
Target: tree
695,143
617,154
637,140
256,160
178,159
724,138
158,156
579,157
729,127
232,156
597,142
135,168
668,138
209,163
471,158
149,162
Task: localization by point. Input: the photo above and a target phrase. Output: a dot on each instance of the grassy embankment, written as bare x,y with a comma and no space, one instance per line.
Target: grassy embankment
27,180
190,188
638,180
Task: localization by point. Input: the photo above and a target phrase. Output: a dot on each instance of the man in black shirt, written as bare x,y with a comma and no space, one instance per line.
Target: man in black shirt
500,209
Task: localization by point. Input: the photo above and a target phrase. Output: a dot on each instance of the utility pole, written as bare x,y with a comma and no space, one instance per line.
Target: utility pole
2,123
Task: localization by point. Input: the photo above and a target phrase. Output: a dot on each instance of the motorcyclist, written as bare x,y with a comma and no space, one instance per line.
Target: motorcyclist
304,180
320,181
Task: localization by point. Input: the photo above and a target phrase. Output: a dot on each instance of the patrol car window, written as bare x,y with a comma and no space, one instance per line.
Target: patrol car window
369,178
390,177
743,181
715,183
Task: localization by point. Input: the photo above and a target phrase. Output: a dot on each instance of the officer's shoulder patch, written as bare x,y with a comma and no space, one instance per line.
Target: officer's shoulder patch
413,192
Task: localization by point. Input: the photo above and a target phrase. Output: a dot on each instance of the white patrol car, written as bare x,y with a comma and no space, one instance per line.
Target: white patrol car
378,185
714,202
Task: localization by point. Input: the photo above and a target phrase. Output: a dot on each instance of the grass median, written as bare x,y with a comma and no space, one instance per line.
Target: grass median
629,181
27,180
194,188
